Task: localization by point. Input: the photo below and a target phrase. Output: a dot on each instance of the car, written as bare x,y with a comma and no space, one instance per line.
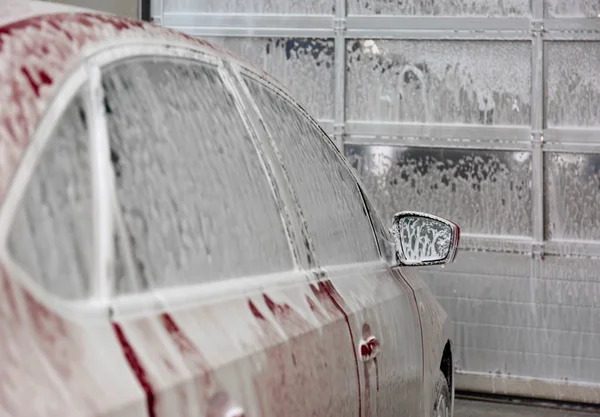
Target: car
178,237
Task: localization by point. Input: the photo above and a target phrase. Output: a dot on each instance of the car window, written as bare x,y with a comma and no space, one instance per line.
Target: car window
51,236
326,189
195,201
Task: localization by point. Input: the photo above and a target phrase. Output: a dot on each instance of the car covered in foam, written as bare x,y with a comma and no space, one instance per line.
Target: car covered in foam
178,237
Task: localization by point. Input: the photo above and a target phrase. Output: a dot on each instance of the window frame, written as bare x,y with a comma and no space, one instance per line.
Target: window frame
327,141
86,77
194,294
173,54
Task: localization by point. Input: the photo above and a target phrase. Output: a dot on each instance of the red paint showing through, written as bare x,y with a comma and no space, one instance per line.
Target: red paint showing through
255,312
188,350
183,343
138,370
369,348
42,76
328,288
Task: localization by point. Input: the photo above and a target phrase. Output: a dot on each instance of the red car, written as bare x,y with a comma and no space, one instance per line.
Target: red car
178,237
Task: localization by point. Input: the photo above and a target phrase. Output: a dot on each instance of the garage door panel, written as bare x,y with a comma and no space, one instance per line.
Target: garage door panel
303,65
572,195
527,315
574,268
573,83
525,364
570,8
440,7
485,263
496,183
503,289
532,340
250,6
439,82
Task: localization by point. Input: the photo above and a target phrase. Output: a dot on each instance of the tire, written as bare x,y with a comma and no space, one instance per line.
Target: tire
442,400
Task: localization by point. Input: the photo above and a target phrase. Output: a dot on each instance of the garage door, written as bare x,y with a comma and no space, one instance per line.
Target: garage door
487,112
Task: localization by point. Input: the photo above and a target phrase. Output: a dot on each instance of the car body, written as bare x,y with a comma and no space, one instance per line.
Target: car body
179,238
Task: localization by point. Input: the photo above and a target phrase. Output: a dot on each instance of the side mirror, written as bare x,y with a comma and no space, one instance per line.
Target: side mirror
424,239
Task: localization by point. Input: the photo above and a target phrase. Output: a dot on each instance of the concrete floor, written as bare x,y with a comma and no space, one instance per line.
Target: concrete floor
471,408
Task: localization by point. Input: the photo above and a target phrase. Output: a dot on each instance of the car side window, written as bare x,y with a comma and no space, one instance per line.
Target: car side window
51,234
326,189
195,200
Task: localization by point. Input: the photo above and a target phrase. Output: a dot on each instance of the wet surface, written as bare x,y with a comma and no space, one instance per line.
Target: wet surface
470,408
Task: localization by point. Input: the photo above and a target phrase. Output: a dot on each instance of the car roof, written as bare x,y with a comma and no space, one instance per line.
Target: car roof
40,44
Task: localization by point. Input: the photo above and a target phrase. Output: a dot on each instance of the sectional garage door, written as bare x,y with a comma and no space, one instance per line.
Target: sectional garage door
487,112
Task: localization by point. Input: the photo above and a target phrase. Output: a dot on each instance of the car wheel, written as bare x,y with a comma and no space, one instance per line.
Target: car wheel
442,399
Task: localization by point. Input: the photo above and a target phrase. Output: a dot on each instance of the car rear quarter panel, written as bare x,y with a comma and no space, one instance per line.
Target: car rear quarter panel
54,366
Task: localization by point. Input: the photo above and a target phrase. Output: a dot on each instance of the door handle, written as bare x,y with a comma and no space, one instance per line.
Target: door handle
369,348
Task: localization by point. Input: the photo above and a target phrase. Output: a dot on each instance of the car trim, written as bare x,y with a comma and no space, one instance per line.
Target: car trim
102,186
154,300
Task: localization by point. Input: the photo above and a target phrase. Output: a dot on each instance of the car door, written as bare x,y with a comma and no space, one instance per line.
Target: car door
212,296
379,306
